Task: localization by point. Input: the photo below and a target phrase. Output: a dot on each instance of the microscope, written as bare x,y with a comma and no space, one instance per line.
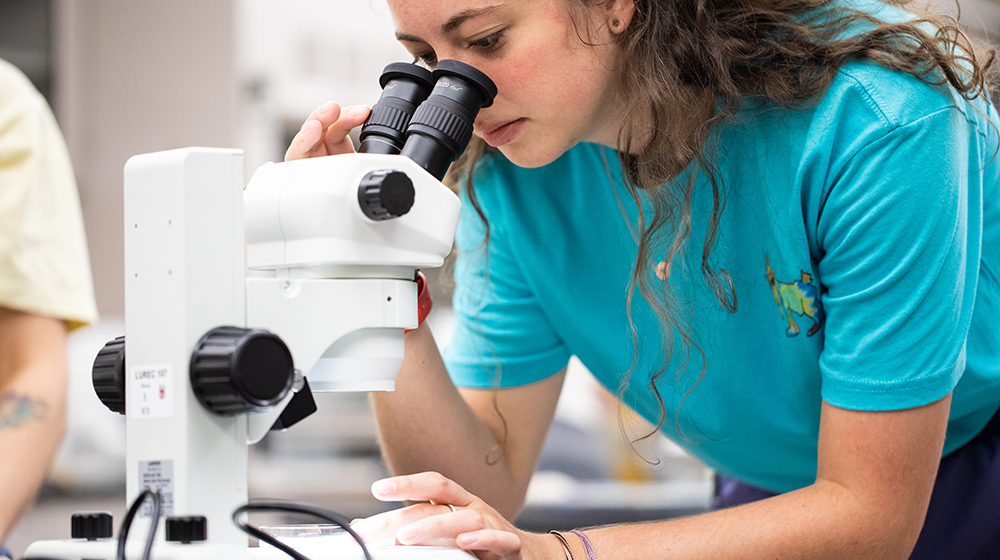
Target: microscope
212,360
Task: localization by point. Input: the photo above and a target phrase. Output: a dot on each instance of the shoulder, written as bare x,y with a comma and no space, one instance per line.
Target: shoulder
17,94
889,98
870,111
25,117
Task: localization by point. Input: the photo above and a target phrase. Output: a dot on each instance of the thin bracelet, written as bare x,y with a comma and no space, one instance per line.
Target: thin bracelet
587,547
565,544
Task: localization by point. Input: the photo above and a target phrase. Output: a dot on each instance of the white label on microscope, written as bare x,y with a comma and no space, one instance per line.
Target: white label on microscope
158,476
152,394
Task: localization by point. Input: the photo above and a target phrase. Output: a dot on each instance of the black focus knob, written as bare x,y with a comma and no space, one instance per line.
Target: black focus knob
186,529
385,194
236,370
109,375
91,526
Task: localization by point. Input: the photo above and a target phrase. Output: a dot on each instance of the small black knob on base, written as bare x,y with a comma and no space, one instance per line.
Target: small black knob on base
187,529
91,526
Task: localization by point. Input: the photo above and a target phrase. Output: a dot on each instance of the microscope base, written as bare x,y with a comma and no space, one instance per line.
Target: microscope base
106,549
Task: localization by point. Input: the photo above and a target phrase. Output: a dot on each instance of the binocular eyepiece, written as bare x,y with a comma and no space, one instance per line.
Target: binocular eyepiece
426,116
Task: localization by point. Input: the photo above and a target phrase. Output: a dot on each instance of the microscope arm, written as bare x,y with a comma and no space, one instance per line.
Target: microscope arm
344,334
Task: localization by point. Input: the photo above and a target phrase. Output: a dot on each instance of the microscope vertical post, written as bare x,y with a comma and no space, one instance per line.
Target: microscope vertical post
184,267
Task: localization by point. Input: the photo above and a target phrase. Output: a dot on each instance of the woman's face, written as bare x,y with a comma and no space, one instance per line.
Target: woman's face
554,90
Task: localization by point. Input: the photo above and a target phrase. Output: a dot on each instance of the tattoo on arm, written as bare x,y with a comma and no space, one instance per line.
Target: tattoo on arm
18,409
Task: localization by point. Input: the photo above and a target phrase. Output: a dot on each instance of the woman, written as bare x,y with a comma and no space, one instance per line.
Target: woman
804,193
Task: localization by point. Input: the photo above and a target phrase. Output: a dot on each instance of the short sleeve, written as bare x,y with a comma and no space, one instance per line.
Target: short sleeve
502,337
44,263
898,269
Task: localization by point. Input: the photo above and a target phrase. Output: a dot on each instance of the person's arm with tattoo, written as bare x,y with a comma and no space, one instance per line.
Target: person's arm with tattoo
45,290
33,381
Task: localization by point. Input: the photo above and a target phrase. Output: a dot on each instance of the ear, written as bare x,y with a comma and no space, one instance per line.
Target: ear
619,14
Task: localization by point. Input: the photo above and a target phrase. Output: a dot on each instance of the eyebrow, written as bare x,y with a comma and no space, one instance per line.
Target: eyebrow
452,24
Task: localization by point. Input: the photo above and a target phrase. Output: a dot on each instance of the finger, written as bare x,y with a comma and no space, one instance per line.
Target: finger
422,487
326,114
306,142
499,543
336,139
384,525
441,530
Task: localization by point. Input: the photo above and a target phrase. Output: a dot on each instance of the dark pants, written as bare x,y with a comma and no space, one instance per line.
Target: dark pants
963,519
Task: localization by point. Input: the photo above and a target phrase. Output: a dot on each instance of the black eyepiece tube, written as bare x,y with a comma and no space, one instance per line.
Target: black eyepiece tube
404,87
442,126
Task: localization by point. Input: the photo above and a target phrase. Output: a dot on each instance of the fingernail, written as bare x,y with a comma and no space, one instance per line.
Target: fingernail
358,110
466,539
409,531
326,107
307,123
383,487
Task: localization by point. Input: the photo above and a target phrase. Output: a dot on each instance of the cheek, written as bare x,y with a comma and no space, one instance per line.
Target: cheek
540,80
549,65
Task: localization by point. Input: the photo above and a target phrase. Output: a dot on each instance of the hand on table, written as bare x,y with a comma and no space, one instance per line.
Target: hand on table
472,526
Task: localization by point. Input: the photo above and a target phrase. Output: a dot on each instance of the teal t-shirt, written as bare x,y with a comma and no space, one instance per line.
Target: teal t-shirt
862,239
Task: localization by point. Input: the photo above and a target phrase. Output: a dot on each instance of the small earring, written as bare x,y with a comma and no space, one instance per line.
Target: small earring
614,24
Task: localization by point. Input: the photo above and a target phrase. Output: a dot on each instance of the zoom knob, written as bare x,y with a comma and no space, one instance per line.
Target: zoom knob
109,375
236,370
385,194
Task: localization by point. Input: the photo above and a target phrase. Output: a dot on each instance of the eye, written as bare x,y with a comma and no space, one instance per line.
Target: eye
489,43
428,59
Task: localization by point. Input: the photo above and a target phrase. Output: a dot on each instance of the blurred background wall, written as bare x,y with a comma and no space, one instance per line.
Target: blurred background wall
128,76
134,77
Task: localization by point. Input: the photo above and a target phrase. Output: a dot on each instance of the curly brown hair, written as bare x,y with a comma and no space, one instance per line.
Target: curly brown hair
679,58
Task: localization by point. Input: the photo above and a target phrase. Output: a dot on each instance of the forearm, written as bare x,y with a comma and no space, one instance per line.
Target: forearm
824,520
32,424
33,382
426,425
875,475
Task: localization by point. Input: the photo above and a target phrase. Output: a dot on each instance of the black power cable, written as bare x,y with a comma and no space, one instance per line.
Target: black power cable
127,522
288,507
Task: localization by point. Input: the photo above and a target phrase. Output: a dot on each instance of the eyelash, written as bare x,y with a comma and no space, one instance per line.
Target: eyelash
488,45
428,60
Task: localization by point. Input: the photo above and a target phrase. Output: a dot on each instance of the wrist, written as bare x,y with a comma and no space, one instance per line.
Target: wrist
570,547
550,547
588,548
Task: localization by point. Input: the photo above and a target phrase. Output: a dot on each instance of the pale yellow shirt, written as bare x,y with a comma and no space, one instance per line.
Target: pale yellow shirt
44,264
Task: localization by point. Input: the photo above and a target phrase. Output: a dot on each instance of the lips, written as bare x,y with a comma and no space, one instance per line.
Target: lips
504,133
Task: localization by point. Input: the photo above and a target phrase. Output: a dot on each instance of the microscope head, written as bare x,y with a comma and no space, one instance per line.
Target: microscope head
383,211
345,233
